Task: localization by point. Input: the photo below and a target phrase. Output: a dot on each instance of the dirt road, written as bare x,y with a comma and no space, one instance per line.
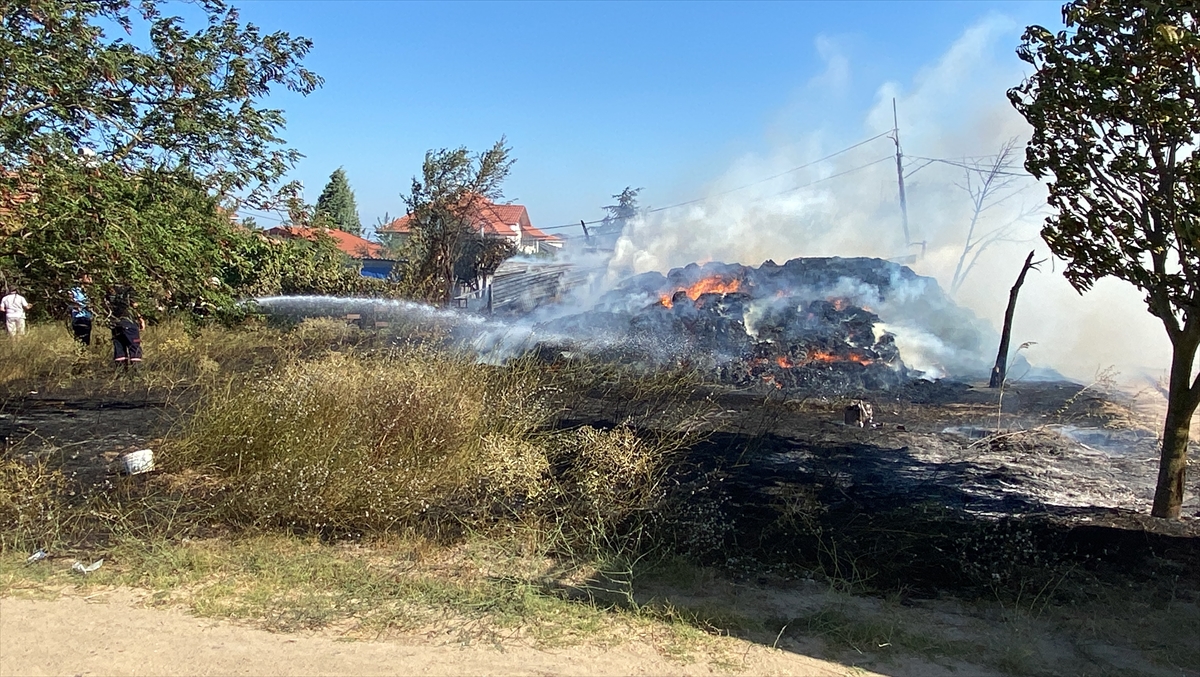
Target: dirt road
116,636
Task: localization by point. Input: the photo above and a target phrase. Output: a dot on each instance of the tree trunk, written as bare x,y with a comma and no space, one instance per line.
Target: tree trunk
1001,369
446,272
1182,400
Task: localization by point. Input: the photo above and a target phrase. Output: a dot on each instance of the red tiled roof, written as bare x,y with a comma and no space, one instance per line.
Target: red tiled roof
11,201
497,221
352,245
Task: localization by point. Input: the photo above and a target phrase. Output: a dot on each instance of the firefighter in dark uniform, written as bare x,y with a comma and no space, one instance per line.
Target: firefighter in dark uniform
127,325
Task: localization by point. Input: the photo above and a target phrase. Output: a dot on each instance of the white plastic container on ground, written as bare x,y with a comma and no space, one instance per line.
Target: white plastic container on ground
136,462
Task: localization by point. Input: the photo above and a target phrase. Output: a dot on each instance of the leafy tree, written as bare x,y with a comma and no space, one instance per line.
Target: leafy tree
336,203
444,206
187,100
117,156
256,265
1113,104
157,233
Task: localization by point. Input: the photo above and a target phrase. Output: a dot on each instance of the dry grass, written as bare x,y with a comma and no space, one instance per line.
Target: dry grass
47,353
350,443
33,507
324,429
177,355
416,439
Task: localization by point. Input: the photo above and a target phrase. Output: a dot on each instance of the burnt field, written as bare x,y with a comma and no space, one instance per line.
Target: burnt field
946,485
945,489
931,496
735,382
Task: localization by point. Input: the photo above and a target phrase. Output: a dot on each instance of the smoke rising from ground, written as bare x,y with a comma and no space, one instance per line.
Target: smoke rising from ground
956,109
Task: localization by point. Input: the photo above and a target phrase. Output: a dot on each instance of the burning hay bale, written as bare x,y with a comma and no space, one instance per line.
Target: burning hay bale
810,323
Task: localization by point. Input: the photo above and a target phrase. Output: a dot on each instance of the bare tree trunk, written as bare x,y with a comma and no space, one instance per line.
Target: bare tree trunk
957,280
448,284
445,271
1182,400
1001,369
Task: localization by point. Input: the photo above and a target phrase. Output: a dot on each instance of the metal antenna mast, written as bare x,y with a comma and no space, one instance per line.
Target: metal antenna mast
900,175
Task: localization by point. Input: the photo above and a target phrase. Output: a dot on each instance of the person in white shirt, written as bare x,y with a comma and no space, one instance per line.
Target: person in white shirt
13,306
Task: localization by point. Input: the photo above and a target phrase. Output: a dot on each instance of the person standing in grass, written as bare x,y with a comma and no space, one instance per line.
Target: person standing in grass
81,313
127,326
13,306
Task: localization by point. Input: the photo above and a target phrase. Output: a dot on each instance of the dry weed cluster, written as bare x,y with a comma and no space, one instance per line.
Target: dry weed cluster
32,503
416,439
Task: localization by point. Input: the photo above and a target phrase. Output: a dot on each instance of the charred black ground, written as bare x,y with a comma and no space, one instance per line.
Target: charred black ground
934,499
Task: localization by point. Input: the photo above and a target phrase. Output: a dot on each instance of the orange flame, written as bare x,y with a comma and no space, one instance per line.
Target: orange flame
709,285
840,304
822,356
784,361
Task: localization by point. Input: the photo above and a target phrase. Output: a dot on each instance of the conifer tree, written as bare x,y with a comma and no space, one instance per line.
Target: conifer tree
336,204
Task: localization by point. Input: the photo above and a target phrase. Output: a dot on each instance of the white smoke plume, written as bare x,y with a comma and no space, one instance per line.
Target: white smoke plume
955,109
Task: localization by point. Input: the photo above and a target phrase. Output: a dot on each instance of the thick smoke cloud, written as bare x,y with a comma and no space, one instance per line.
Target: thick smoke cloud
954,108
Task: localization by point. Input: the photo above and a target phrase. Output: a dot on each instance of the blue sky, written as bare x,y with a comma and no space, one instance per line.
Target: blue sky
596,96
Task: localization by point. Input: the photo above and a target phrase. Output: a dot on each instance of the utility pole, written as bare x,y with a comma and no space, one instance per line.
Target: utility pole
900,175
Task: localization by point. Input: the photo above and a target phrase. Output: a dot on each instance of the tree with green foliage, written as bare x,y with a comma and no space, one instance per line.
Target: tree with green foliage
1113,102
117,152
158,234
256,265
444,206
336,204
187,100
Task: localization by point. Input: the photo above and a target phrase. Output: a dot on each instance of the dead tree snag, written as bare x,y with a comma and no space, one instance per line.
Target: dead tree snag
1001,369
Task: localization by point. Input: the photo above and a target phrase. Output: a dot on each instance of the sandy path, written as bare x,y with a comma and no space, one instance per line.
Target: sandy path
71,636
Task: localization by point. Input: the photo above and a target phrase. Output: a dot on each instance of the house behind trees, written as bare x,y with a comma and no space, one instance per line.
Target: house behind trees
509,222
372,255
